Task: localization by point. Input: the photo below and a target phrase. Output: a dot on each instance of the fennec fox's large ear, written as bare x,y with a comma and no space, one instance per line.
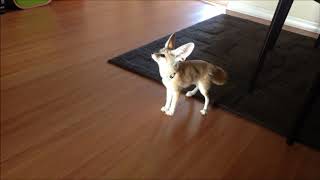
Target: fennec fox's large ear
171,42
183,51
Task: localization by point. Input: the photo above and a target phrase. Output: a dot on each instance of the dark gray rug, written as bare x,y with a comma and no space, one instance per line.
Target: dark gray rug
234,44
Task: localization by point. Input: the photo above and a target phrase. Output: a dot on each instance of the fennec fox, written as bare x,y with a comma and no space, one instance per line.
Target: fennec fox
177,73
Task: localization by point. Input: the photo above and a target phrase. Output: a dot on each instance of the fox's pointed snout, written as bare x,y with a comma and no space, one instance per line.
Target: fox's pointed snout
154,56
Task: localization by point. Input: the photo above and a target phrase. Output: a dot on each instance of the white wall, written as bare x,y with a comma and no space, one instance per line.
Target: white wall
304,14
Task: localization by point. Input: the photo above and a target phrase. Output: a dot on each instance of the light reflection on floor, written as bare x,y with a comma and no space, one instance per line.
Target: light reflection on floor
209,11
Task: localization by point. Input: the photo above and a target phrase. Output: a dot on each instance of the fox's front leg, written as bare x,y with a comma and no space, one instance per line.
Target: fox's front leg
175,97
166,107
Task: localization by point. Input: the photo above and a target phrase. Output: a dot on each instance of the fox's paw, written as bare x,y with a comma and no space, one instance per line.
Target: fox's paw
189,94
203,112
164,109
169,113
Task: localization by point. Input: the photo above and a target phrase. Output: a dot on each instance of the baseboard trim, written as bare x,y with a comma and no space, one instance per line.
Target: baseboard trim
267,15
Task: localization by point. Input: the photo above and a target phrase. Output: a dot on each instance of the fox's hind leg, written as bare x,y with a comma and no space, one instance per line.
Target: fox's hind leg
204,87
192,92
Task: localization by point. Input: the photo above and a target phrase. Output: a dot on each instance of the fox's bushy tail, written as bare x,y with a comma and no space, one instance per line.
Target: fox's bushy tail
218,75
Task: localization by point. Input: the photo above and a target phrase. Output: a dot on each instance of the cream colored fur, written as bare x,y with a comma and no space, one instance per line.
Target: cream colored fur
176,74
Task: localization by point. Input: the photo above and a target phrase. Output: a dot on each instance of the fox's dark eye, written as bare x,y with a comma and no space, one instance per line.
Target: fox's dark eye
162,55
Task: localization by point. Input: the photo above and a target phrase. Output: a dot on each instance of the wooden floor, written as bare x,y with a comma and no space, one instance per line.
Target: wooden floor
67,114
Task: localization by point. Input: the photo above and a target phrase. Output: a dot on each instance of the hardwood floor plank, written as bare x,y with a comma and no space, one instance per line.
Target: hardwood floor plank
67,114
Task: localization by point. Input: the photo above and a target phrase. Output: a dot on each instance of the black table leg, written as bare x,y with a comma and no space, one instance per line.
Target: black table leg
317,44
275,27
306,107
